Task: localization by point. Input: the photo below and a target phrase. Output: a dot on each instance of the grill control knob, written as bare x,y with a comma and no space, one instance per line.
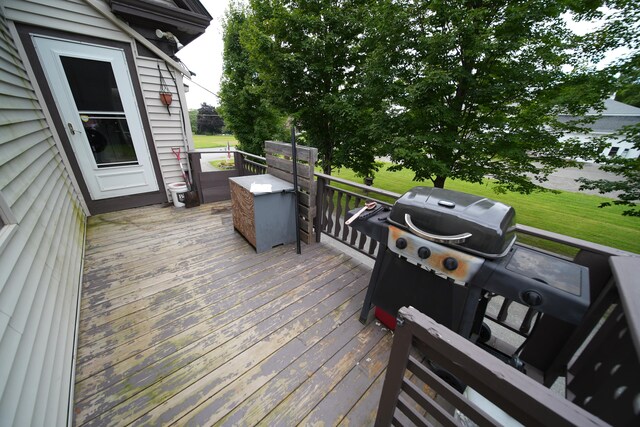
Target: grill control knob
424,252
401,243
450,263
532,298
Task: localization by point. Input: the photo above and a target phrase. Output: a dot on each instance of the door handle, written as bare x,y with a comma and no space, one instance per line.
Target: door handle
71,129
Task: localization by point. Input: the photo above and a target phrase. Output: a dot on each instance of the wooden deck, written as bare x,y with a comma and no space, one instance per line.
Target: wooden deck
182,322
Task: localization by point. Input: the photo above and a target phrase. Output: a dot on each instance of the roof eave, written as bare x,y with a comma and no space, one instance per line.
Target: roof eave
187,25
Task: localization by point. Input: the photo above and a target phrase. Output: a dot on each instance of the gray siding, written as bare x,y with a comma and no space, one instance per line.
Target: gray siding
40,265
167,128
75,16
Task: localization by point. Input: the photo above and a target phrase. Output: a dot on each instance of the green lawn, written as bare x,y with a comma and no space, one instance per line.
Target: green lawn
223,164
213,141
572,214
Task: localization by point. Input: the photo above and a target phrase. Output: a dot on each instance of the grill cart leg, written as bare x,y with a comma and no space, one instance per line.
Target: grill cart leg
366,306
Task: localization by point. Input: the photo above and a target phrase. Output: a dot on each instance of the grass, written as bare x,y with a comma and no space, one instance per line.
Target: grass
213,141
572,214
222,164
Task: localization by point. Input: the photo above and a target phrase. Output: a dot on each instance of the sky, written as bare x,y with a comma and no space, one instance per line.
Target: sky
203,56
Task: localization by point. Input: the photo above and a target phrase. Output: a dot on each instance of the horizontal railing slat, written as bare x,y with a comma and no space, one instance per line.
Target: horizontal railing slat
427,403
360,196
571,241
359,186
304,154
411,413
302,182
449,393
287,166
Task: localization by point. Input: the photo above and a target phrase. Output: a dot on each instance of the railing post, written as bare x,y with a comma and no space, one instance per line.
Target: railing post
319,208
400,350
196,170
237,161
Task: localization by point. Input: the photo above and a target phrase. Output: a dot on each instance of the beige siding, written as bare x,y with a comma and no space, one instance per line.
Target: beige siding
40,264
65,15
167,128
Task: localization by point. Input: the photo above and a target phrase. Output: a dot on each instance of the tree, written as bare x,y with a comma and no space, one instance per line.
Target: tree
193,120
629,93
473,89
208,120
308,56
620,30
246,111
628,169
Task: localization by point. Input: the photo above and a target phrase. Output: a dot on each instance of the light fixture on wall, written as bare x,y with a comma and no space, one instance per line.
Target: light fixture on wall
169,36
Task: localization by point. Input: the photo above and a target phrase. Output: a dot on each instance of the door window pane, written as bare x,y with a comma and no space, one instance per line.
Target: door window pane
95,92
93,84
110,140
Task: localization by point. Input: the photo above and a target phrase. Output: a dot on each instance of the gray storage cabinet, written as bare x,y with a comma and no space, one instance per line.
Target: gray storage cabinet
265,218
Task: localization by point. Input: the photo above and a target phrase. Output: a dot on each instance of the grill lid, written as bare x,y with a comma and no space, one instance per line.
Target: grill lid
471,223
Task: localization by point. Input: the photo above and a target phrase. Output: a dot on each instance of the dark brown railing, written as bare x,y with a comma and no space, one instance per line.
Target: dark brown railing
334,201
545,348
418,387
249,164
213,186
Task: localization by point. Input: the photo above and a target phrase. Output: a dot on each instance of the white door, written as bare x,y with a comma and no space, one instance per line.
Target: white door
94,94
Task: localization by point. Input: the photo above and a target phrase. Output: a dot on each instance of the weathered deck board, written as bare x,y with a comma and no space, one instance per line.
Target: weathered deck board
181,321
121,318
269,396
233,317
141,340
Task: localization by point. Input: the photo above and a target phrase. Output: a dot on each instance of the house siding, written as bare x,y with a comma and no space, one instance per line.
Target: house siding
40,264
167,128
613,120
74,16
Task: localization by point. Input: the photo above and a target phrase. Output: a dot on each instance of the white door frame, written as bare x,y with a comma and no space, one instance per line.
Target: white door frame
113,181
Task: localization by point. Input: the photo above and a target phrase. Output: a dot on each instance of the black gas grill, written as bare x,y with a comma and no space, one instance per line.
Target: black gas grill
443,252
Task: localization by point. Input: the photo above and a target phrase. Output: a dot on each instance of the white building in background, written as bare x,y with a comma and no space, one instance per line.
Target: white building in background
615,116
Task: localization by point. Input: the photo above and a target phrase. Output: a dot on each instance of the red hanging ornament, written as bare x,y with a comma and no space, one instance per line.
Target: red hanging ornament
165,94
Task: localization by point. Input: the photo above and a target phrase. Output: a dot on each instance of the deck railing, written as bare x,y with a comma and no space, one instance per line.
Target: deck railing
546,347
435,377
213,186
249,164
550,345
336,196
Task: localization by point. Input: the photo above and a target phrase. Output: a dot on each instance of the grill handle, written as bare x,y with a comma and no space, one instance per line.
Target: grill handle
458,238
